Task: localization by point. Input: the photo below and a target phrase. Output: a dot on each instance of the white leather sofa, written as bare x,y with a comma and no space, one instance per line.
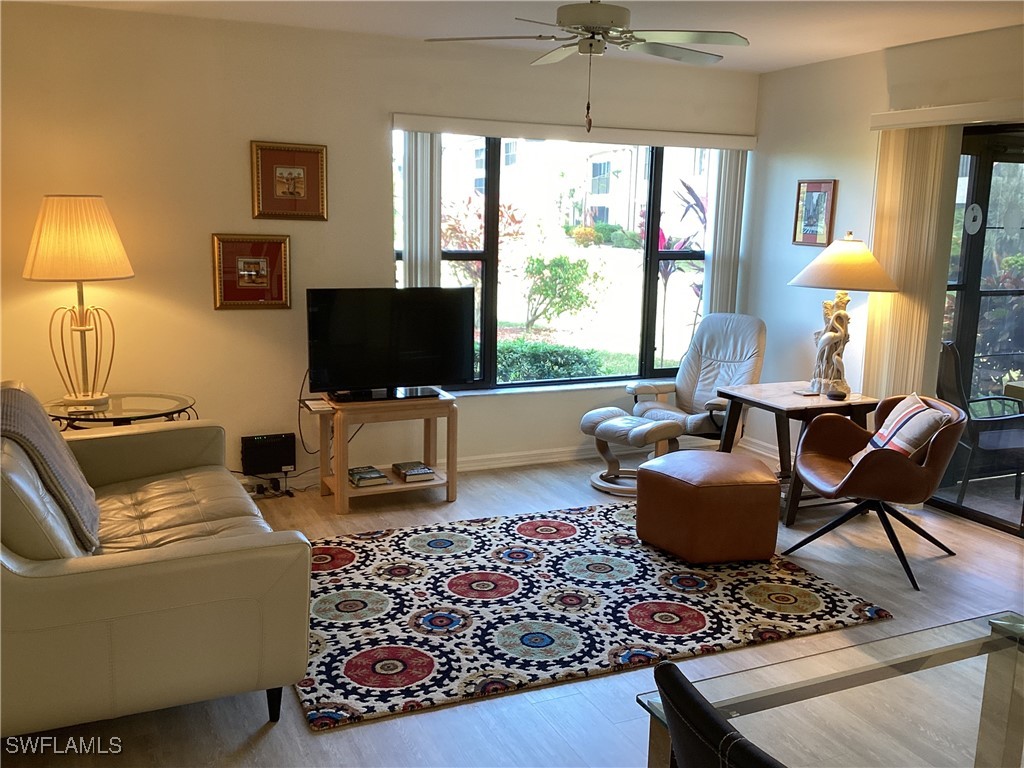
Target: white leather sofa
189,595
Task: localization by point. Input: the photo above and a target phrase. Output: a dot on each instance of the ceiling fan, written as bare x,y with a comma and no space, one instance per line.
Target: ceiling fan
588,28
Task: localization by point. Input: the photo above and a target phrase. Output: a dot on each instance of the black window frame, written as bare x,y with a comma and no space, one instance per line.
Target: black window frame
488,258
980,153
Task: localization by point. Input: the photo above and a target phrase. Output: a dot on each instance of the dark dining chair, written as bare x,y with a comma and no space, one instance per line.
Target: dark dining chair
995,424
701,737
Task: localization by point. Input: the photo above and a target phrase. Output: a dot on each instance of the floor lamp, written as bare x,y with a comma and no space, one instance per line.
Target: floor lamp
75,240
845,265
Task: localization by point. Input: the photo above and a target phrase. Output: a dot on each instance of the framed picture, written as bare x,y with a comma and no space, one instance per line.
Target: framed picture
251,272
815,211
289,181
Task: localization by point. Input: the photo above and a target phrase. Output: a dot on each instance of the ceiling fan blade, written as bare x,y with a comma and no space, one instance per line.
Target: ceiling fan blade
546,38
560,53
683,55
689,37
534,21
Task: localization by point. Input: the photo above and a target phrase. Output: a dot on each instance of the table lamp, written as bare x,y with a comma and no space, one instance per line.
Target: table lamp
75,240
845,265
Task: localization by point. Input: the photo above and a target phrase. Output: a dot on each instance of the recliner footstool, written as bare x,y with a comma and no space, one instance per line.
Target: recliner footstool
708,506
614,425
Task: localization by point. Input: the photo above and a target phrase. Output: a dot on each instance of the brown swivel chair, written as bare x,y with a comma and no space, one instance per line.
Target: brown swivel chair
882,478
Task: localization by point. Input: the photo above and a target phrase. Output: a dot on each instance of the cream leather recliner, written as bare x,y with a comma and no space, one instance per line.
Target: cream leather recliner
727,349
188,595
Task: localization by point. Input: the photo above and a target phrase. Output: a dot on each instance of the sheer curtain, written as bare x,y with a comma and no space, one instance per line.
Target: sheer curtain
422,258
723,260
916,187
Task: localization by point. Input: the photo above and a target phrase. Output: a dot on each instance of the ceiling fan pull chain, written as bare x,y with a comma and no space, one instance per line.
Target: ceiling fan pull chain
590,68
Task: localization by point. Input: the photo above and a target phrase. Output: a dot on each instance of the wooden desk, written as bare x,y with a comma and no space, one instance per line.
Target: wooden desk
781,399
334,471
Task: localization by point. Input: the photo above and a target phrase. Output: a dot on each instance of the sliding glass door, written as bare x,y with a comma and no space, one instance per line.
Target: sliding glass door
984,318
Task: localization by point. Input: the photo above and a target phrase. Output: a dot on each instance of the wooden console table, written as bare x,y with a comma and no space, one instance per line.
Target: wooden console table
334,471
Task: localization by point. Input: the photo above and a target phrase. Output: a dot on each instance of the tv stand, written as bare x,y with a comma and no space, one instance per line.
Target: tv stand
344,415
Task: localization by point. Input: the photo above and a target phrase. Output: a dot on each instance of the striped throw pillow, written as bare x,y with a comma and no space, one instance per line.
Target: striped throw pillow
910,425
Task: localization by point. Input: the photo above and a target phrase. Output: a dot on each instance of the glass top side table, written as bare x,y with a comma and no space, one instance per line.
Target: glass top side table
945,696
124,408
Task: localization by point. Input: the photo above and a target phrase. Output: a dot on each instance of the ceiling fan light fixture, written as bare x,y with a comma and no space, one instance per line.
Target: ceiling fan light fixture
591,46
593,15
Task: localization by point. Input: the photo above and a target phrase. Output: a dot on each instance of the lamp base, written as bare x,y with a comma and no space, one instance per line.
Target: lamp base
824,386
98,400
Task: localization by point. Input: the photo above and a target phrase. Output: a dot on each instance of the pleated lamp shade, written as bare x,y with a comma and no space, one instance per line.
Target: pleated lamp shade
75,240
846,265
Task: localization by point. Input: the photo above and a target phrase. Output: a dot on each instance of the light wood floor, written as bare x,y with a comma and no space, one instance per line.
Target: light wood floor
590,723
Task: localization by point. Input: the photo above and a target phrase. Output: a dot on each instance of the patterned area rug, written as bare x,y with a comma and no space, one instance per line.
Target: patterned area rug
419,617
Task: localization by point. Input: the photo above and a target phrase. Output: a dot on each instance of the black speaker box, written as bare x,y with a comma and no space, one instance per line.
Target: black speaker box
267,454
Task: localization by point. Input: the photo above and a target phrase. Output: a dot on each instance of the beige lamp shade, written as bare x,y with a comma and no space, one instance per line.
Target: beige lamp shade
846,265
75,240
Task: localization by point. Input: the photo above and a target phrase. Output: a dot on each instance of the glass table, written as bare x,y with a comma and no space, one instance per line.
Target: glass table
946,696
124,408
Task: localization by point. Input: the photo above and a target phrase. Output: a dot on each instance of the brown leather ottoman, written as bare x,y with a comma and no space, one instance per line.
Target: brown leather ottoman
708,507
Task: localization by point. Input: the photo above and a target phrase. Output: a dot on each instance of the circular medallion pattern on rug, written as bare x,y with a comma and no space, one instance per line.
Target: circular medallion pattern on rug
400,571
599,568
667,618
571,600
483,585
331,558
391,666
633,655
544,640
783,598
351,605
518,555
687,581
436,544
492,681
547,530
441,621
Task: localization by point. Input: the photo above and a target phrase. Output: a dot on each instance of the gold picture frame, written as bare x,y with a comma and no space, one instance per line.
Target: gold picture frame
289,181
251,272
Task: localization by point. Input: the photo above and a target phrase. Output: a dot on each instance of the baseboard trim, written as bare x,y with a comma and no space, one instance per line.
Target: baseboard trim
585,452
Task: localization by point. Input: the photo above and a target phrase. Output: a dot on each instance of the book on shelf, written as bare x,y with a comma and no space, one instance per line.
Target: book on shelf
413,471
368,475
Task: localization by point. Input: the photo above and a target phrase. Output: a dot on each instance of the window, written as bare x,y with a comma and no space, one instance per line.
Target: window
510,153
569,289
600,177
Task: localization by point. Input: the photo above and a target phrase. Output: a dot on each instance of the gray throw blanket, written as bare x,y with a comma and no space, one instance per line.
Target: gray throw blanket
23,420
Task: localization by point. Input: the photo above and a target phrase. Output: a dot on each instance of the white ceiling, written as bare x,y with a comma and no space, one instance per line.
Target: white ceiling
782,33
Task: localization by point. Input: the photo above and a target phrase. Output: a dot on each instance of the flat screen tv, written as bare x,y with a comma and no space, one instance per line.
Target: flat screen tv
368,343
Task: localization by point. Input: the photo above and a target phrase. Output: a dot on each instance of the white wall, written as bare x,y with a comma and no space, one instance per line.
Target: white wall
812,124
156,114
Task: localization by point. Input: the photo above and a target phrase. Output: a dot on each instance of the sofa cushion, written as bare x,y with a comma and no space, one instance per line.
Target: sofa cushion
34,526
23,420
196,503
